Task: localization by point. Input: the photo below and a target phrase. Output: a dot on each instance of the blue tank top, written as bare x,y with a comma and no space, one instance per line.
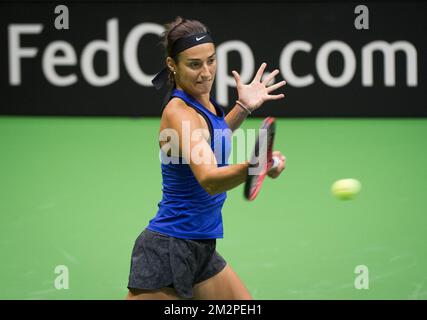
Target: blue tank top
186,210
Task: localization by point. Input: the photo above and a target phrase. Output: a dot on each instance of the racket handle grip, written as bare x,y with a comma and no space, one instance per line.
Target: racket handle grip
276,162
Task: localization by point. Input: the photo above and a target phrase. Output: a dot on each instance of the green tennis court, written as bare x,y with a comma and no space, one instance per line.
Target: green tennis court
77,191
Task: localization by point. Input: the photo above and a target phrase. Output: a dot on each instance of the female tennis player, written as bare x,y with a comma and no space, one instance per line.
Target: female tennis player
175,256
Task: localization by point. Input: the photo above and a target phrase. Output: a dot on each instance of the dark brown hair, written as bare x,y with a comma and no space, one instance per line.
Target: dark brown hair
179,28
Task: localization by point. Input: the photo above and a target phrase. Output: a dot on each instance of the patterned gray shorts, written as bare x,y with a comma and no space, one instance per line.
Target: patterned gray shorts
160,260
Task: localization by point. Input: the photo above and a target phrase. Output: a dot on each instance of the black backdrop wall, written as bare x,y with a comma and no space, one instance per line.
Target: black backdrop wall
103,64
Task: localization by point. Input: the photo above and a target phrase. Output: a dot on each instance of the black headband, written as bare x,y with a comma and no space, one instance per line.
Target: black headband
177,47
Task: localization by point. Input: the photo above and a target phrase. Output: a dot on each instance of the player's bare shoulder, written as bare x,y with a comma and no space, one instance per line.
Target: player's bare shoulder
177,111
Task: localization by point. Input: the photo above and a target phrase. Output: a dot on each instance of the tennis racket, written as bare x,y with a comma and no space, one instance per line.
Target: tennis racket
262,160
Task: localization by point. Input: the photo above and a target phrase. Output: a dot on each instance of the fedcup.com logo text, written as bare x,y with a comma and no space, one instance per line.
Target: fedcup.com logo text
60,53
194,147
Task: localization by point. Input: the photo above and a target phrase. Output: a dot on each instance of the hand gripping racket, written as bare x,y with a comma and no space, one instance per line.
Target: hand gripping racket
262,160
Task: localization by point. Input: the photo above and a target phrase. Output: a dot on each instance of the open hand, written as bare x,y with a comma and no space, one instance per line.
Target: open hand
253,95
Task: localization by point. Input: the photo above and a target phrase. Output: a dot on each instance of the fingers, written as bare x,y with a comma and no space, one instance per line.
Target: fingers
270,77
275,97
276,86
260,72
282,164
276,161
237,77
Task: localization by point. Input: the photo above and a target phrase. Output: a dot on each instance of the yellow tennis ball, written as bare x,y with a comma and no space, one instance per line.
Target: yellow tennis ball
346,188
